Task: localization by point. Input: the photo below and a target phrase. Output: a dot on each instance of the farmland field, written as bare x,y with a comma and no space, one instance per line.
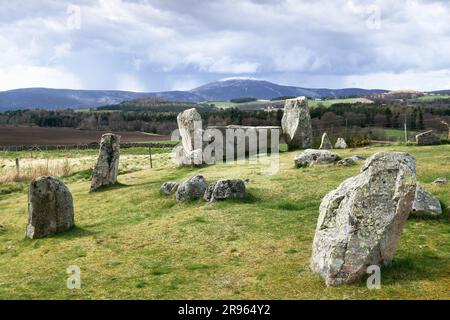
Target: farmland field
28,136
132,242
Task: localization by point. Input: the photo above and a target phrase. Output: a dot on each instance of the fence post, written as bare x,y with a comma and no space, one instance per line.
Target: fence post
17,167
150,156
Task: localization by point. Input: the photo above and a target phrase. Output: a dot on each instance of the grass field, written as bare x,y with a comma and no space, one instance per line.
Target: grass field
434,97
133,243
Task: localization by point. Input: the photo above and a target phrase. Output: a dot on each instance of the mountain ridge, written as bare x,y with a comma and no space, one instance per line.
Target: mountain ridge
221,90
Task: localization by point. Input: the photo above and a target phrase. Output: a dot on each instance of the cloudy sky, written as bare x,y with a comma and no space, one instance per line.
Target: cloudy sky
159,45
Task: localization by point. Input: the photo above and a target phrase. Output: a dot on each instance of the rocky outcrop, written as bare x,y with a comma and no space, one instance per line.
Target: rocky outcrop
425,203
225,189
50,207
325,142
107,166
340,144
360,223
191,189
427,138
310,157
169,188
296,123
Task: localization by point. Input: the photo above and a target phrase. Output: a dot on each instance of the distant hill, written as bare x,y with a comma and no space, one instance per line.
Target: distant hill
222,90
261,89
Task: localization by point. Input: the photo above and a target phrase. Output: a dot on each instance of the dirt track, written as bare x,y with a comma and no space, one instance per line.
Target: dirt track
28,136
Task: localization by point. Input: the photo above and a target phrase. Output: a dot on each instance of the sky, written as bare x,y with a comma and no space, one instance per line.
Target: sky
159,45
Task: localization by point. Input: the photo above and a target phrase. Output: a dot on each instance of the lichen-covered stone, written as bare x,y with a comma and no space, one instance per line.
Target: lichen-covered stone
425,203
340,144
350,161
169,187
360,222
325,142
440,180
191,132
310,157
107,166
427,138
50,207
296,123
225,189
191,189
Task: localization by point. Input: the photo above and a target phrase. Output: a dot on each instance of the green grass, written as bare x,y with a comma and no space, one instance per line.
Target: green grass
434,97
132,242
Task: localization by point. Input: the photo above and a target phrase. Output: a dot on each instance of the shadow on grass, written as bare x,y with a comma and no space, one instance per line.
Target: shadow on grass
116,186
415,266
73,233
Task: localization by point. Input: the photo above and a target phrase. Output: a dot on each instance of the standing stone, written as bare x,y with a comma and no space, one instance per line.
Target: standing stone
107,166
296,123
191,189
50,207
190,127
425,203
427,138
310,157
169,188
360,222
225,189
340,144
325,143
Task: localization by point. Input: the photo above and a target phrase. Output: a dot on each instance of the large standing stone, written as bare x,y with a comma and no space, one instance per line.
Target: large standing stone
427,138
296,123
50,207
190,127
191,189
310,157
340,144
360,222
242,140
225,189
425,203
107,166
325,143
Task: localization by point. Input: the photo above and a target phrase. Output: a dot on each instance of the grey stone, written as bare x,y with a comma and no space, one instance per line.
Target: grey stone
191,189
340,144
360,222
296,123
310,157
440,180
107,166
241,140
169,188
191,132
350,161
427,138
425,203
225,189
50,207
325,143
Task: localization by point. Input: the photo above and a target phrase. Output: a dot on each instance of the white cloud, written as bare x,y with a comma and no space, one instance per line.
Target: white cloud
158,44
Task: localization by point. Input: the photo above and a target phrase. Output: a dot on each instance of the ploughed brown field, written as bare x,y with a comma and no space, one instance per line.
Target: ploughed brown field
28,136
